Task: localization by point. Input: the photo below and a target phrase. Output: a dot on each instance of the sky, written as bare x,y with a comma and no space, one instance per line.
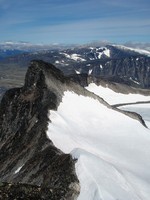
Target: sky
74,21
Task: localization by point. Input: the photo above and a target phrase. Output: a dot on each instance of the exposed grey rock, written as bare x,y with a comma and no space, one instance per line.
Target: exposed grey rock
26,154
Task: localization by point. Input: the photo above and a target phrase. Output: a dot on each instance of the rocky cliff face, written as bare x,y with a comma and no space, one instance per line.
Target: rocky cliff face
27,156
131,71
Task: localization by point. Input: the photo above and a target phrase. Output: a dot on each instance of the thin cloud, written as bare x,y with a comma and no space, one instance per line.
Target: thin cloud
74,20
90,30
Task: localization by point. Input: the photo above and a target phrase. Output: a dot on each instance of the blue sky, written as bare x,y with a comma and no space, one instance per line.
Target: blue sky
78,21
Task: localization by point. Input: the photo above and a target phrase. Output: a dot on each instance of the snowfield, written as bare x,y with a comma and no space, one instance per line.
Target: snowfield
113,150
113,97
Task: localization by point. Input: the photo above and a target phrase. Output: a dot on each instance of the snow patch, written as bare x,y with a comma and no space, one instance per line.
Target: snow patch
107,52
19,168
113,97
134,81
90,71
88,65
101,67
57,62
77,72
74,56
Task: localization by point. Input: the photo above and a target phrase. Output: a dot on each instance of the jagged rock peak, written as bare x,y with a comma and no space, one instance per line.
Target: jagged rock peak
38,71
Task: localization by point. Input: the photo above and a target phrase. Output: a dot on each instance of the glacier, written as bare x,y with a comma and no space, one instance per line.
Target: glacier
112,149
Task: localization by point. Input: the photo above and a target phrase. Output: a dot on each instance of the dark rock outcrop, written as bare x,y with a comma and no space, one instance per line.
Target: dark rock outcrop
17,191
26,154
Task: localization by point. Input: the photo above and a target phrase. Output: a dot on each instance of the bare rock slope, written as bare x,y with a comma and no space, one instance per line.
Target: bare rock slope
26,155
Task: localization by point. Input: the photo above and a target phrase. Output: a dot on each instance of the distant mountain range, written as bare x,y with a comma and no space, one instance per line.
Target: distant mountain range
27,46
115,63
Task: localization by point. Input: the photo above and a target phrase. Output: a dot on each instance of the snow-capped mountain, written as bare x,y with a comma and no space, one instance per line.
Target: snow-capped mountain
113,62
58,135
